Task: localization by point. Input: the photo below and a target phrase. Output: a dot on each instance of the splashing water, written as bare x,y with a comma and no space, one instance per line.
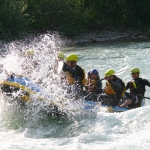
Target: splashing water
45,48
27,126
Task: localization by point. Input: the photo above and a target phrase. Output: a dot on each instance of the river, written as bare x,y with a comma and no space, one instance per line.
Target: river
27,129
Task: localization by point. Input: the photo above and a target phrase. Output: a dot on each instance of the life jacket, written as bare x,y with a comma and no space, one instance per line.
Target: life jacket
93,85
70,79
109,90
137,87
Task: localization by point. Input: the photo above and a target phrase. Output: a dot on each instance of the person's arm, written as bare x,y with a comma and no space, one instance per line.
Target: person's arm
80,75
99,86
146,82
127,86
118,86
77,74
65,67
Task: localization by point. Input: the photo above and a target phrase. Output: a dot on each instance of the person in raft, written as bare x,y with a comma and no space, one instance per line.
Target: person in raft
93,85
75,74
29,64
137,90
114,89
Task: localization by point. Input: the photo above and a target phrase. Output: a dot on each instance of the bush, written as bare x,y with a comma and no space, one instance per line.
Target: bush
12,18
64,16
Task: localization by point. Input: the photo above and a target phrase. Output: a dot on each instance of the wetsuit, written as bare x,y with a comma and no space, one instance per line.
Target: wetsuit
75,76
114,91
137,91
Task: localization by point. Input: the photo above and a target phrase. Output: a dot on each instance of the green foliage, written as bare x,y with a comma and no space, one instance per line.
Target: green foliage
12,19
65,16
71,17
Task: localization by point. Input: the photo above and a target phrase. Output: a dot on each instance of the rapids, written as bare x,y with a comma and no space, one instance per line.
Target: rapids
28,127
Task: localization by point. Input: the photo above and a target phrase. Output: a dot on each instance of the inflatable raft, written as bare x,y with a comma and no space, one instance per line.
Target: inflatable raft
27,87
22,84
23,88
91,105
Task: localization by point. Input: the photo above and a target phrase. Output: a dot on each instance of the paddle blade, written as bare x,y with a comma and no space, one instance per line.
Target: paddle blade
121,71
60,66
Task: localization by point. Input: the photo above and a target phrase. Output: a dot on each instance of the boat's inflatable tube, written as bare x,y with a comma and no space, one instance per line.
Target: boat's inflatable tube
89,105
14,84
22,83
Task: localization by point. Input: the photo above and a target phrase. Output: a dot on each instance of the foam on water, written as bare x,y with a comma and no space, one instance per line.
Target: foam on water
29,127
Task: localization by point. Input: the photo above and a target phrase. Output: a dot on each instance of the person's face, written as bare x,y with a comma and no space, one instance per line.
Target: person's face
30,56
93,76
60,59
71,63
109,78
89,76
134,75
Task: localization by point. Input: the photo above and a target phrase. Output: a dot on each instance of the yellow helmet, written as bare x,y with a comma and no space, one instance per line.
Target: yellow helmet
60,54
29,52
109,73
72,57
135,70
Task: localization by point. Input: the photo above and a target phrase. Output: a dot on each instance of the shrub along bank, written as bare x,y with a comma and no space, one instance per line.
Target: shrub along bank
71,17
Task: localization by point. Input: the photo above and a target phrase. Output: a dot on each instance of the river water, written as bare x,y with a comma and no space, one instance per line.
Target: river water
26,128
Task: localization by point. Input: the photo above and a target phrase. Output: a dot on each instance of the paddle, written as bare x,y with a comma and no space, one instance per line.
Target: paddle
60,66
121,71
146,97
137,95
12,74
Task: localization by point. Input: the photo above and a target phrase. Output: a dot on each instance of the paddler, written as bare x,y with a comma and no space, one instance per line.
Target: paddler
137,89
114,89
75,74
29,64
93,85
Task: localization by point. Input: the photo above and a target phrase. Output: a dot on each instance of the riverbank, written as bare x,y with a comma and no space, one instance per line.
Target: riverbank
109,36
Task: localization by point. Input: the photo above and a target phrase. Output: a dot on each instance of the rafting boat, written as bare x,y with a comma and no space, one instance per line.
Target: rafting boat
27,87
22,84
23,89
91,105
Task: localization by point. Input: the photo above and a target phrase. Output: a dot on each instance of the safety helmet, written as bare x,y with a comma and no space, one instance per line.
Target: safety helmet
135,70
60,54
94,71
29,52
109,73
72,57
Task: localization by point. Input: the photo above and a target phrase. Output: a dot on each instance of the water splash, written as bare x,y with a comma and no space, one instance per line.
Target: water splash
34,128
51,94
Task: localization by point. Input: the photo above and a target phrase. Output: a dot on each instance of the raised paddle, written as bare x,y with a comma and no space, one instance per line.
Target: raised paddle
121,71
60,66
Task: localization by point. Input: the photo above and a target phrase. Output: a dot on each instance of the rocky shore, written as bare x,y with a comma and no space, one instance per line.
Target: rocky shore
110,36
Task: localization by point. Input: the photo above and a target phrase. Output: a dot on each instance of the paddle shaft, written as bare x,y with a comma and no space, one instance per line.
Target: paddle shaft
117,73
94,82
137,95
